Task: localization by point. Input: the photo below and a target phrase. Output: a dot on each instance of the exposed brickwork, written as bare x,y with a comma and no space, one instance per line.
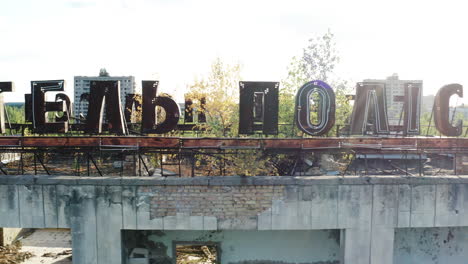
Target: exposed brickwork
220,201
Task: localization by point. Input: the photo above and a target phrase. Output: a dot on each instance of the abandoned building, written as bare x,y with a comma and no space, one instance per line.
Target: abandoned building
405,207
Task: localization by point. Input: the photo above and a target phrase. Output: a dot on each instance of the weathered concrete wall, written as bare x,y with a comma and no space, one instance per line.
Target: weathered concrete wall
431,245
367,209
305,246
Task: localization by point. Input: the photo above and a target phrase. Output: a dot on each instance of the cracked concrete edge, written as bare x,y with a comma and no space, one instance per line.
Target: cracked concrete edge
230,180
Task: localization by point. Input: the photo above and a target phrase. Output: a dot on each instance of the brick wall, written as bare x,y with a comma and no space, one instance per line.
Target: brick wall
220,201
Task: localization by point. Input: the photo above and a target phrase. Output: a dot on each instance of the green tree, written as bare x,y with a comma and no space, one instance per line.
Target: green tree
317,62
15,114
427,125
221,92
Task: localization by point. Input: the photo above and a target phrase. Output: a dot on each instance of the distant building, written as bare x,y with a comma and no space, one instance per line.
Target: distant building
82,84
427,103
15,104
394,87
461,112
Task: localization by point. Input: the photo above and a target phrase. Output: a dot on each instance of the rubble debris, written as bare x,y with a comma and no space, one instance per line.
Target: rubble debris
56,255
328,163
200,254
11,254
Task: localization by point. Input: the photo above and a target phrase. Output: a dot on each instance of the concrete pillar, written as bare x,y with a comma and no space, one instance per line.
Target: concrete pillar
384,219
356,246
82,212
109,224
367,246
96,223
382,241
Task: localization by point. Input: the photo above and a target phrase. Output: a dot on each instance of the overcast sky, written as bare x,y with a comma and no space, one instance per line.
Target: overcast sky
176,40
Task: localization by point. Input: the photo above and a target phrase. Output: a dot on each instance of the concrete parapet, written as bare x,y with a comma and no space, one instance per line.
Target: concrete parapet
233,180
366,209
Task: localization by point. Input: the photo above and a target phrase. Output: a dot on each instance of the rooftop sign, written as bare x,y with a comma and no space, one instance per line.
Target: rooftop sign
258,106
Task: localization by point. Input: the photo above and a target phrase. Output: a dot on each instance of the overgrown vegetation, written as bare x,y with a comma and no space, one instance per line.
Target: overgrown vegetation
15,114
317,62
220,88
217,96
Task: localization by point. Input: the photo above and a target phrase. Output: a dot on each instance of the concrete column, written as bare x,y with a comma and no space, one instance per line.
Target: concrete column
370,240
109,224
384,219
364,246
9,206
82,212
355,243
96,223
382,241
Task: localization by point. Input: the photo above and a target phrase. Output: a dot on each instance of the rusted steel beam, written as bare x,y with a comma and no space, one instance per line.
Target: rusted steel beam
59,141
142,142
414,144
443,143
220,143
10,141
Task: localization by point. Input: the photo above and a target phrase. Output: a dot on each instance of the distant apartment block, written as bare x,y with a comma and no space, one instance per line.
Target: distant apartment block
394,87
427,103
461,112
82,84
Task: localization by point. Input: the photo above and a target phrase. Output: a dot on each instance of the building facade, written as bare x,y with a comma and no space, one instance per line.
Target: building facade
248,220
82,86
394,88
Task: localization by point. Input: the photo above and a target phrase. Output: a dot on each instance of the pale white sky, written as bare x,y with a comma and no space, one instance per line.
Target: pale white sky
176,40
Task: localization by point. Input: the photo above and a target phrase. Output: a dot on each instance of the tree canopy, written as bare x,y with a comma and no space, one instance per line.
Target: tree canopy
220,91
317,62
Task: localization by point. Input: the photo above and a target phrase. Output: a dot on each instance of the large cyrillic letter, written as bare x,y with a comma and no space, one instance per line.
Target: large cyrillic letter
150,101
442,109
412,108
322,97
369,107
105,95
40,107
258,107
